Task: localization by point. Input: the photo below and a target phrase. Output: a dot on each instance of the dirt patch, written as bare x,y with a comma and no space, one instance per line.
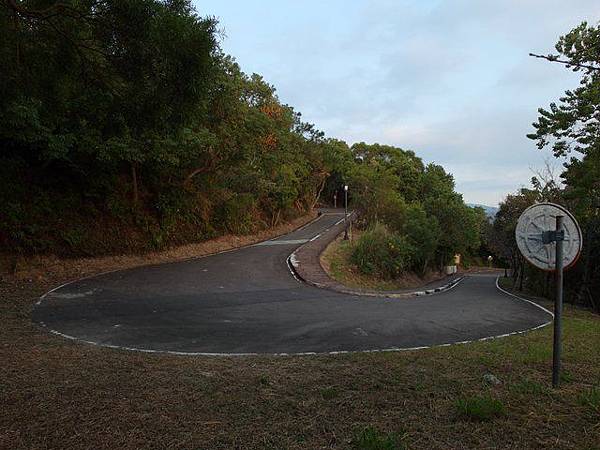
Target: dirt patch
54,269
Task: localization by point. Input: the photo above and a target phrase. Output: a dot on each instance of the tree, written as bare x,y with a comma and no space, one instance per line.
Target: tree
572,129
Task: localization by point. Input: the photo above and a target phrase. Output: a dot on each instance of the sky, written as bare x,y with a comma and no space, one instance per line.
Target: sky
450,80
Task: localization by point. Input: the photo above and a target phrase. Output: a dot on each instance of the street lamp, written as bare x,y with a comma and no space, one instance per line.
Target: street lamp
345,212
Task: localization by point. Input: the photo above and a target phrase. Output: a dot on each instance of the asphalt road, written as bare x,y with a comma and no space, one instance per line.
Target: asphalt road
247,301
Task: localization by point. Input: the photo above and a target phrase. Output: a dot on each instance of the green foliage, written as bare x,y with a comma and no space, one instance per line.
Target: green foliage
372,439
130,108
329,393
238,213
481,408
591,398
381,253
423,233
418,202
125,119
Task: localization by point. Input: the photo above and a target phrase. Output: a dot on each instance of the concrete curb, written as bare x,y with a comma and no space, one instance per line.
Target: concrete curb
305,265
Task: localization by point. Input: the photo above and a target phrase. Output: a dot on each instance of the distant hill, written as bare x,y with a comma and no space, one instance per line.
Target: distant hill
490,211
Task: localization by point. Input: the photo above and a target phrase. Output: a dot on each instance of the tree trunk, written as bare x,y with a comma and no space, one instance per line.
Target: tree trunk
586,261
18,38
320,190
522,275
134,182
275,218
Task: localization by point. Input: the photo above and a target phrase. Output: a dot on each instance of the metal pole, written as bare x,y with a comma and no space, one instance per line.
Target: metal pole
558,302
335,200
345,213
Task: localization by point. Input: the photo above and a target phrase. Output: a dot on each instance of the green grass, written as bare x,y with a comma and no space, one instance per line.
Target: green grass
530,387
329,393
590,398
481,408
372,439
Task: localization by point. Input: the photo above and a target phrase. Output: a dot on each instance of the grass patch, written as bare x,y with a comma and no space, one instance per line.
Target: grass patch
590,398
329,393
481,408
529,387
372,439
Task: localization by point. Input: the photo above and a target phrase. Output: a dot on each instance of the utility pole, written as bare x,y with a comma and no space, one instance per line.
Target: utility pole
345,212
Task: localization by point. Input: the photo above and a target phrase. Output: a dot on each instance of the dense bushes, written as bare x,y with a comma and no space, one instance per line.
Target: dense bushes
383,254
124,119
416,203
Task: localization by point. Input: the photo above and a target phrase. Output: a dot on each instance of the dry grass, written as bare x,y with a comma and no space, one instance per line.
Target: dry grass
59,394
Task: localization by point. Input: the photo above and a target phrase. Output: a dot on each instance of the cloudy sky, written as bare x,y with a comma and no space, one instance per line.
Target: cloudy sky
451,80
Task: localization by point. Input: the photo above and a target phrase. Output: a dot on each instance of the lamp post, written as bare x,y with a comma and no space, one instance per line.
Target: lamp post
345,212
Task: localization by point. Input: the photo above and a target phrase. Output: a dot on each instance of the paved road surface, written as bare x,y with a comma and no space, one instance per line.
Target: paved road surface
247,301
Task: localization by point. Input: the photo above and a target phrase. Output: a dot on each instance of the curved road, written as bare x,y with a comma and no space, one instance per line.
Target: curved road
247,301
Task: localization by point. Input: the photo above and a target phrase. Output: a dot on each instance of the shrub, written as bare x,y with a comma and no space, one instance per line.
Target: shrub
238,213
423,233
482,408
329,393
381,253
372,439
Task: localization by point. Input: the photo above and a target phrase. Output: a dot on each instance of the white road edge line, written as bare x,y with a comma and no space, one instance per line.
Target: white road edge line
523,299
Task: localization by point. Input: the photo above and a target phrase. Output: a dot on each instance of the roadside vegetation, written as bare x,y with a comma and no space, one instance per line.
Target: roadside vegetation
337,260
571,128
411,220
125,128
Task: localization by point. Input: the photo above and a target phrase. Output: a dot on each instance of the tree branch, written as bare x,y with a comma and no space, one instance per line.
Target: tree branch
562,61
43,14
